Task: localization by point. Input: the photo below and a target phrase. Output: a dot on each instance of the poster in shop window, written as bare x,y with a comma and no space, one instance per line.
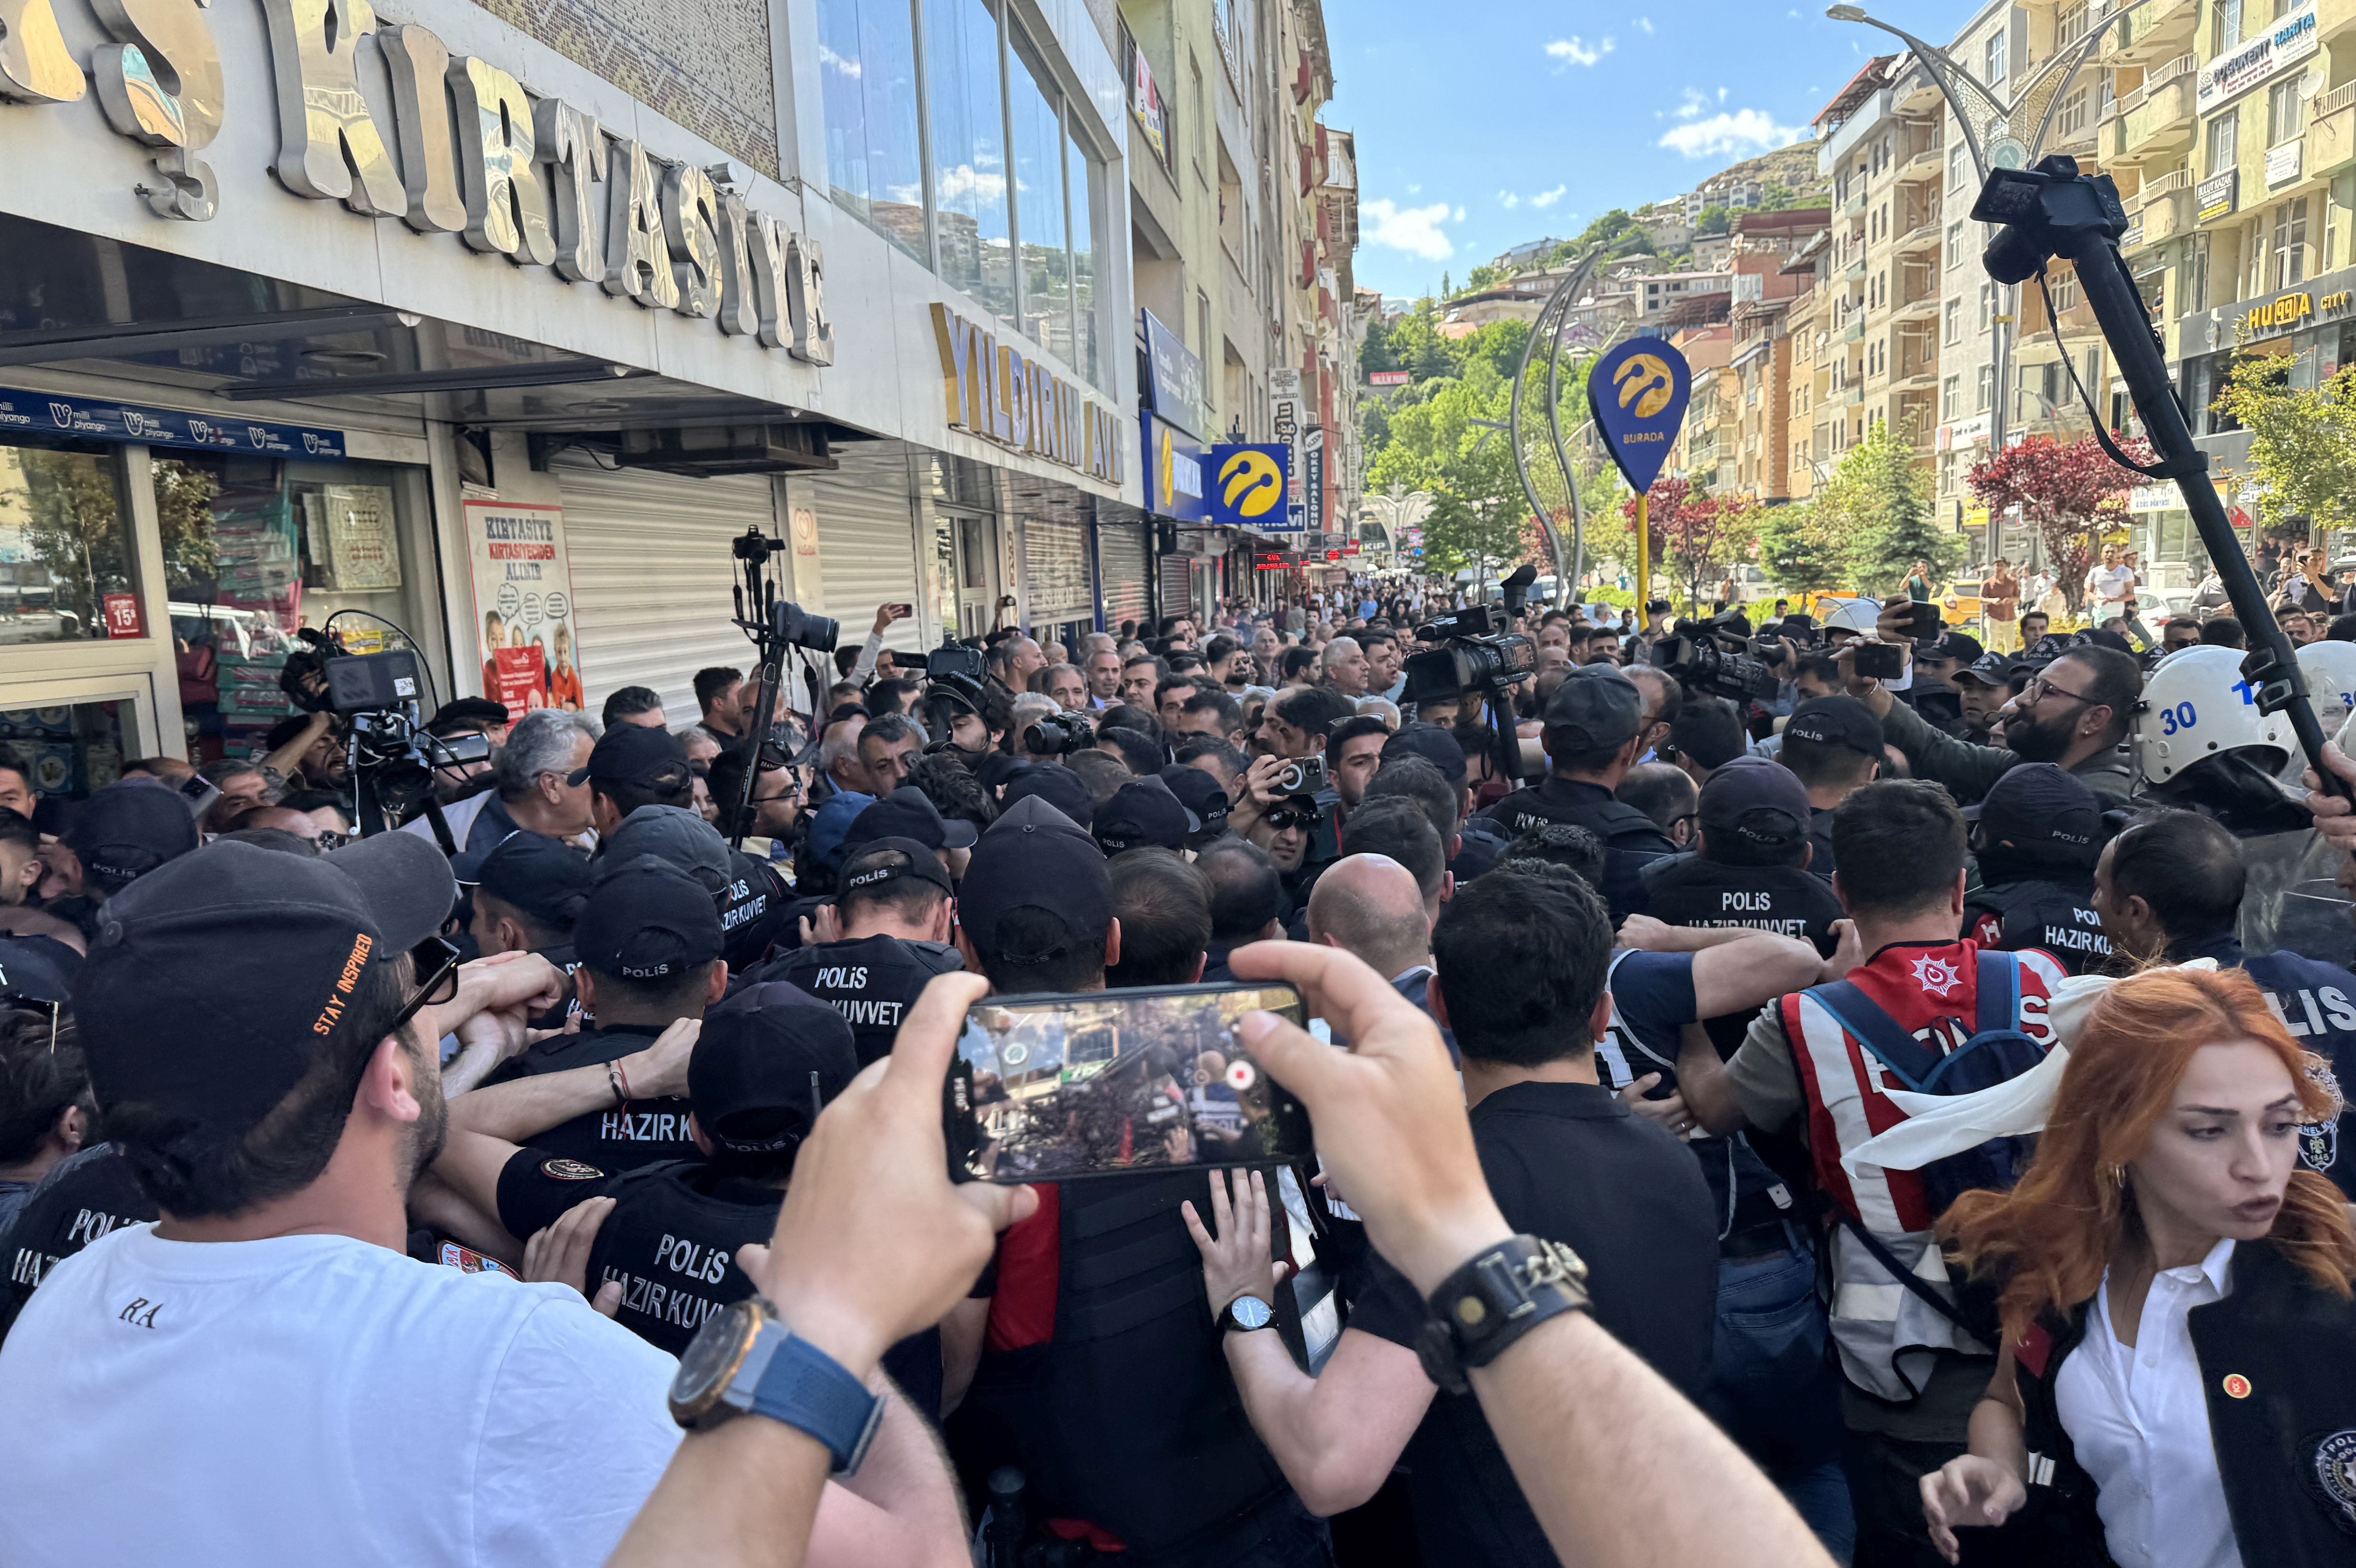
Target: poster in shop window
523,605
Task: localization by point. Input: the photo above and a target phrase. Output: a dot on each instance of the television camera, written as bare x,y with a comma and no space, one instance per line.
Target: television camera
1477,654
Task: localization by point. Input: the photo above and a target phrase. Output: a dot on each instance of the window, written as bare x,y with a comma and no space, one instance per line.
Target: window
1202,123
2195,286
1988,306
1955,243
2224,25
969,146
1949,390
867,57
1038,147
1984,389
2290,244
1080,174
2064,289
2069,121
2223,133
1954,333
2070,27
2286,111
1955,167
1994,56
74,541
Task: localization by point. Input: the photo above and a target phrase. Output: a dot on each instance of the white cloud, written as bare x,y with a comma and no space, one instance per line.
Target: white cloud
1548,198
1696,101
1460,216
1574,51
964,183
1644,25
1415,190
1742,133
1508,200
1415,230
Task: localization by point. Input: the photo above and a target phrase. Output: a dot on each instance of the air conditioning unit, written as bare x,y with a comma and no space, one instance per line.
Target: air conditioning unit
700,451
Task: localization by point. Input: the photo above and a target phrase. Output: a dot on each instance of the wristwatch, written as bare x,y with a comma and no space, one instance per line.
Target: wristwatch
1246,1313
1494,1300
746,1359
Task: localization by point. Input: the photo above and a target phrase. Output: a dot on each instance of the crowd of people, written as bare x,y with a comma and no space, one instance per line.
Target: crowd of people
1765,1111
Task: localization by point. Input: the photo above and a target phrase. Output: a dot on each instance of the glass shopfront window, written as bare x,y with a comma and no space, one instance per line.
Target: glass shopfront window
1080,186
67,751
967,116
1038,142
257,550
65,545
867,61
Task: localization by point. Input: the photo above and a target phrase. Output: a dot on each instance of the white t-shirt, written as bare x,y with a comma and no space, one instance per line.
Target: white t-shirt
312,1400
2111,584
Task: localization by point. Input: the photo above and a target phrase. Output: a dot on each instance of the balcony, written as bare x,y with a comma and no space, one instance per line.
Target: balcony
1926,164
1854,206
2157,123
1925,308
2161,30
2163,209
1854,271
1854,332
2331,131
1923,237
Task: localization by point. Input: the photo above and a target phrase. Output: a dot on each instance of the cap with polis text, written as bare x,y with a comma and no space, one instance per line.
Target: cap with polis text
880,862
759,1076
1058,786
1836,721
1144,812
127,829
635,755
647,922
672,834
1961,647
1991,668
909,813
1762,802
1596,708
37,968
2043,807
1207,803
1033,856
253,956
545,878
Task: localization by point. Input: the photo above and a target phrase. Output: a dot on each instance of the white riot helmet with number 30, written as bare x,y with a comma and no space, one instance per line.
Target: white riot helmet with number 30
2196,706
2330,671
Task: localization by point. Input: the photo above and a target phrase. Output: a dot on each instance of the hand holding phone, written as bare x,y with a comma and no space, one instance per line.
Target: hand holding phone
1880,661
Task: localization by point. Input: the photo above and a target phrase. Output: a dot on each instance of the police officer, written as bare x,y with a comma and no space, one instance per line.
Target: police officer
1750,868
2169,888
84,1196
1982,688
909,813
2037,834
527,890
648,943
1479,845
894,919
1834,746
748,894
1591,733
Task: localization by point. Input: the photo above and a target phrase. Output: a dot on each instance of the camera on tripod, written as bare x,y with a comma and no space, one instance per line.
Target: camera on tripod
392,756
1476,652
1714,656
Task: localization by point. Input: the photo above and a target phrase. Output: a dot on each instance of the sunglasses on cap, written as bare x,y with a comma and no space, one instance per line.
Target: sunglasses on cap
435,961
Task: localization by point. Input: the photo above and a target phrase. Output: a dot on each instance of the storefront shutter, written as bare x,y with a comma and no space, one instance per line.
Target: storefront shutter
866,537
651,570
1055,570
1177,585
1121,557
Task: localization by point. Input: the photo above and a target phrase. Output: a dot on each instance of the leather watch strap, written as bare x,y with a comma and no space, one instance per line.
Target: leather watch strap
1495,1299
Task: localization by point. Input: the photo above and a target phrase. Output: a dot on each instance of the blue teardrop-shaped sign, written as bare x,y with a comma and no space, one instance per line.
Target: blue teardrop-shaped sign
1637,394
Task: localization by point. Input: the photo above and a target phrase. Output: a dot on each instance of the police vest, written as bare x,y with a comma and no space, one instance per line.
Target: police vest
1889,1338
671,1241
1127,1417
2317,1003
612,1138
1631,840
2056,917
84,1196
870,980
1784,900
2277,1358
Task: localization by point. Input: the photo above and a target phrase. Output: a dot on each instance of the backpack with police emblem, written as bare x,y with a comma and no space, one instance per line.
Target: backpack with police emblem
1997,1052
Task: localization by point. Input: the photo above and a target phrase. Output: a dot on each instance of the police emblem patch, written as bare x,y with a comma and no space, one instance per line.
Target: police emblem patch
1936,977
2331,1475
2319,1142
2236,1386
570,1170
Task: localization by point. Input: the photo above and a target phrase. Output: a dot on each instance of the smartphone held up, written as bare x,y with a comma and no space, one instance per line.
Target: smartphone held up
1052,1088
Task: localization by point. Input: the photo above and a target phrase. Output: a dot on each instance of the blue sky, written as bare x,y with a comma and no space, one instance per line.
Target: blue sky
1487,123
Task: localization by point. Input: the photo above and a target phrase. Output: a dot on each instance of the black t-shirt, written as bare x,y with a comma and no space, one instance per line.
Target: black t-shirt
1568,1163
84,1196
1780,899
1631,840
1820,834
610,1138
752,912
671,1241
870,980
2057,916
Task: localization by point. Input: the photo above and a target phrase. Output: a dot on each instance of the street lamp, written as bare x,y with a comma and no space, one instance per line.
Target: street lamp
1398,509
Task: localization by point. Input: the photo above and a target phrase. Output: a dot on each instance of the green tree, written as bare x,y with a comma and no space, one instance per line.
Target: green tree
1497,345
1879,503
74,527
1478,510
1714,220
2302,441
1488,275
1776,197
1799,550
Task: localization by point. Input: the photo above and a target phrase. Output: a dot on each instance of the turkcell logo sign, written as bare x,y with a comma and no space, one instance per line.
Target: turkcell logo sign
128,424
1637,394
1247,485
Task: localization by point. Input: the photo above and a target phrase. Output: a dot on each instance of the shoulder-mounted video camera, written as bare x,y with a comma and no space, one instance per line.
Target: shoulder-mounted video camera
1476,652
1714,656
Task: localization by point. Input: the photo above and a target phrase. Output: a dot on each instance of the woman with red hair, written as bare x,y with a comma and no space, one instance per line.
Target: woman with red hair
2177,1387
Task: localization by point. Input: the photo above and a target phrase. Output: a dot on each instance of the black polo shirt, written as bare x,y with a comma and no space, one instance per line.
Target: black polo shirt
1784,900
1820,834
671,1241
1631,840
1568,1163
870,980
611,1138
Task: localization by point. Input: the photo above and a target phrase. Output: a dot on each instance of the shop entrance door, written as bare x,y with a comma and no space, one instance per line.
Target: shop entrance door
965,573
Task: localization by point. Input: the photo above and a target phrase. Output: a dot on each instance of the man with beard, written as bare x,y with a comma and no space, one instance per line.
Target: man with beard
2073,712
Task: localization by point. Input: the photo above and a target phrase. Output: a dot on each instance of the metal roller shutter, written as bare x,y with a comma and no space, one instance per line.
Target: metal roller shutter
1055,570
651,570
1120,555
1177,585
866,539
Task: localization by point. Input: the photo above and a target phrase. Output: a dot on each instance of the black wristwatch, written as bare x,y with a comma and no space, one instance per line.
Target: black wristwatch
1494,1300
1246,1313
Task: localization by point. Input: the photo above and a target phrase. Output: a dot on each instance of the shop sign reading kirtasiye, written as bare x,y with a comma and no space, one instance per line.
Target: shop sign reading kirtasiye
479,157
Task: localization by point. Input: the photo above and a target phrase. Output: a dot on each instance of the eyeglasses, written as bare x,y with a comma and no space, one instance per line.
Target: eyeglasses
2039,689
1286,817
329,838
435,958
